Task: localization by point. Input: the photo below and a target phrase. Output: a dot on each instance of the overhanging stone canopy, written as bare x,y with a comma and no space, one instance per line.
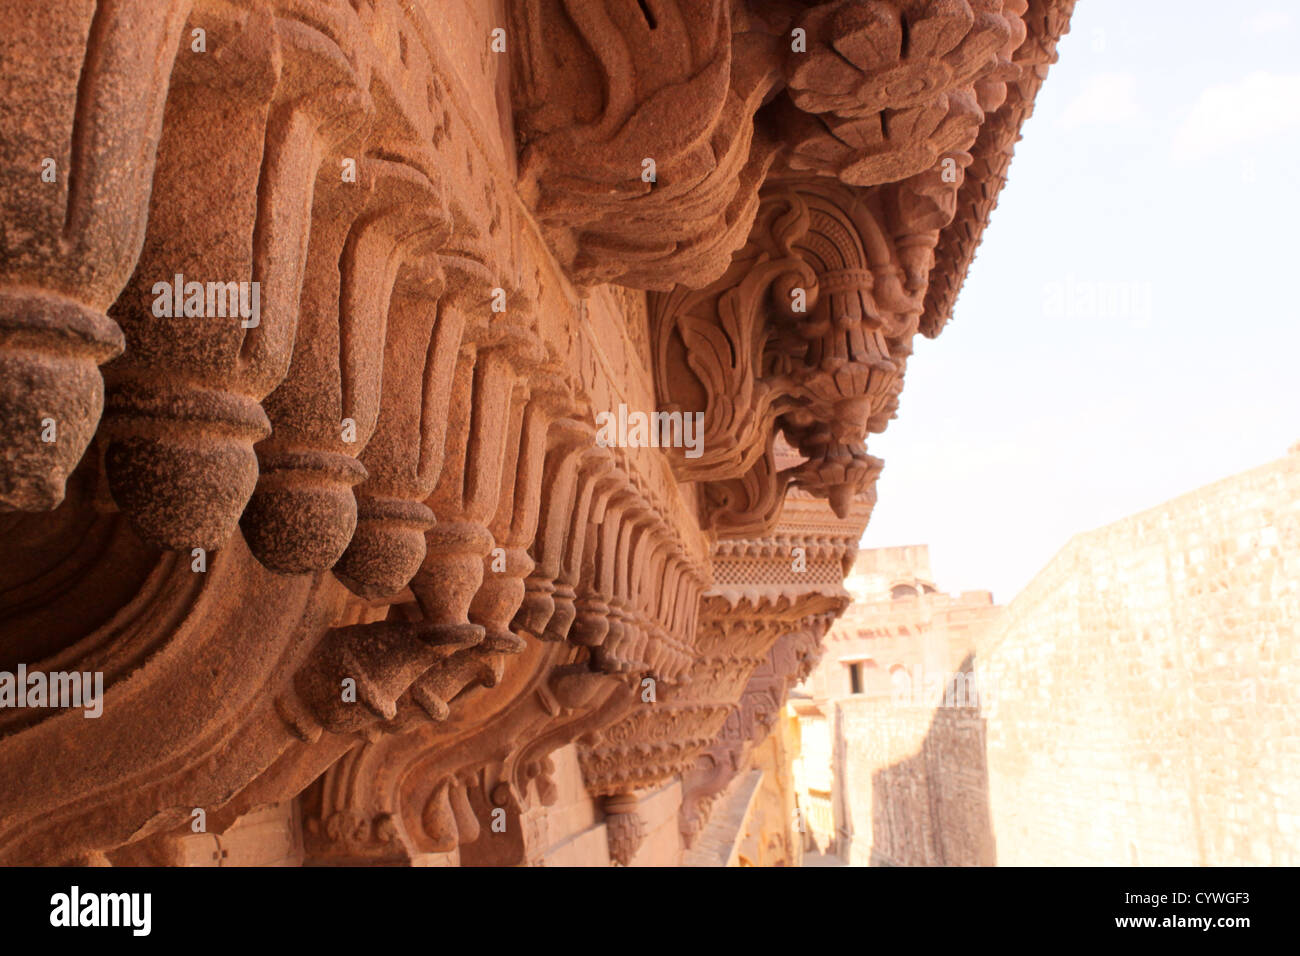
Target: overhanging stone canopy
308,313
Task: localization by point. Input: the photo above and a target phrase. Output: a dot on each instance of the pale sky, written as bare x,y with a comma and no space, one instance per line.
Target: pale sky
1128,331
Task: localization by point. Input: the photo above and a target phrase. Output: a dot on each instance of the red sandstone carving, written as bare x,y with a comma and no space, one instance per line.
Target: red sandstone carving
71,235
359,546
893,84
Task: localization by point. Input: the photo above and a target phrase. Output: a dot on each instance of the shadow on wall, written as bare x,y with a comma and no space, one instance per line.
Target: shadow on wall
932,808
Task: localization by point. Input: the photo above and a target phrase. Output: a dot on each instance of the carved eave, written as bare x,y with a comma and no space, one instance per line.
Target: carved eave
760,631
660,106
368,550
790,660
806,336
808,332
1046,21
785,585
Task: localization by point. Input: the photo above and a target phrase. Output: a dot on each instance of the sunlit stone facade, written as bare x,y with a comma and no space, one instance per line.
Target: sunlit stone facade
309,310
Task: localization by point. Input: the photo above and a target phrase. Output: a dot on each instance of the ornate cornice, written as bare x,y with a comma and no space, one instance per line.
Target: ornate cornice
806,335
363,539
1046,21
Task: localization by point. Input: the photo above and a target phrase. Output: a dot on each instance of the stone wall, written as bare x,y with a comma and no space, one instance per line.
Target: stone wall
1142,683
1134,705
909,784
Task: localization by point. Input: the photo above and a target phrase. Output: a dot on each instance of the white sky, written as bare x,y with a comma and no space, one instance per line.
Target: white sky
1128,331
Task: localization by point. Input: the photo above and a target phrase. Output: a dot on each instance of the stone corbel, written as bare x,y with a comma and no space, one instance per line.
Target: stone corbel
562,492
655,577
623,649
393,517
573,542
659,100
417,650
807,334
425,774
303,514
495,600
480,495
183,406
591,622
75,175
515,526
474,787
420,354
466,495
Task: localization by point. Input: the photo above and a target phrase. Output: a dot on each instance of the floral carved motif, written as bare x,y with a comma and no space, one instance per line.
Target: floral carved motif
888,87
806,334
361,548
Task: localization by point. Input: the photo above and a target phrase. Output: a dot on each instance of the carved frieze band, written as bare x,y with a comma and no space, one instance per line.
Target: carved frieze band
302,346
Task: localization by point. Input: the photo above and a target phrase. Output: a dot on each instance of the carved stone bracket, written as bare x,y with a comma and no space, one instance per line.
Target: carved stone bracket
76,165
333,521
808,334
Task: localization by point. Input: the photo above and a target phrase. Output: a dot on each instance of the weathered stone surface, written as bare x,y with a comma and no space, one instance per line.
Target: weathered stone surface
1131,706
337,522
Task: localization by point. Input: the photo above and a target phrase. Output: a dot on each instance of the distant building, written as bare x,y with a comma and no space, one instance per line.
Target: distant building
1133,705
900,628
896,654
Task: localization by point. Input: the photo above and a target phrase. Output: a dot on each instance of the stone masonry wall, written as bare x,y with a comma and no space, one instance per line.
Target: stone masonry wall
1136,703
915,785
1145,686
